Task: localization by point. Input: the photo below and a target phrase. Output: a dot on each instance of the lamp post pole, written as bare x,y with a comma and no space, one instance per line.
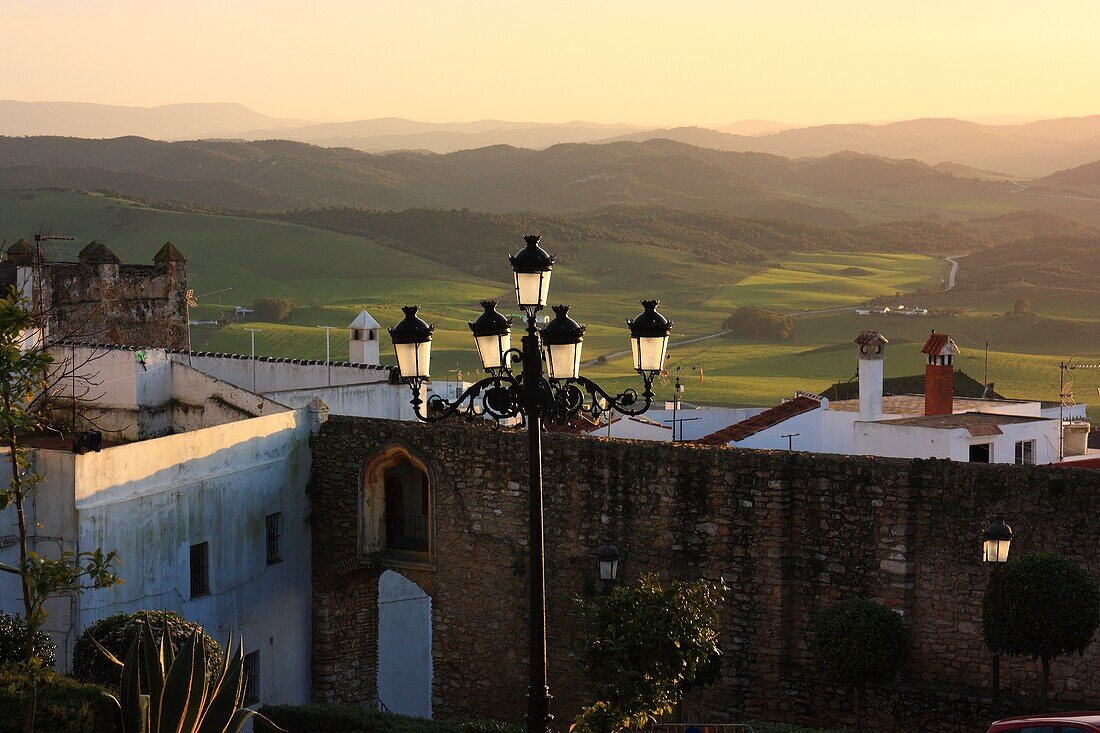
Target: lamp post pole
996,541
550,392
538,693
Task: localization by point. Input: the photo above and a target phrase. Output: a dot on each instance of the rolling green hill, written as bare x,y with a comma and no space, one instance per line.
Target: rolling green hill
331,275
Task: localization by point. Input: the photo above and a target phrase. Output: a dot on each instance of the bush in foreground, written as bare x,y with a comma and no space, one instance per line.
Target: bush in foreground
62,705
352,719
13,635
115,633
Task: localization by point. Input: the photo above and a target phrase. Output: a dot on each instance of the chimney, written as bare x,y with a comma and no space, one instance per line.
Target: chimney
363,339
939,374
869,351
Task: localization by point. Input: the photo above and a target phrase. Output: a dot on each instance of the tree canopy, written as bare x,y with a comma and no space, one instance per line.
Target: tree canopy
649,644
1051,608
750,322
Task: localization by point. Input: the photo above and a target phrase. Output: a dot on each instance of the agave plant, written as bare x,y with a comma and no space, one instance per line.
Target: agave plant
181,698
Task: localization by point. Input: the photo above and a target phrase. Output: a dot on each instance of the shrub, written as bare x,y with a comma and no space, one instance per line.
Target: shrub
352,719
117,631
750,322
272,309
1051,608
13,635
63,705
858,643
647,645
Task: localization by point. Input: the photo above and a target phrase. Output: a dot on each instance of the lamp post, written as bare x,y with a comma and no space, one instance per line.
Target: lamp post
555,395
996,539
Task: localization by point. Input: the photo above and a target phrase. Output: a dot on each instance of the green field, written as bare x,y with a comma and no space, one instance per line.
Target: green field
331,276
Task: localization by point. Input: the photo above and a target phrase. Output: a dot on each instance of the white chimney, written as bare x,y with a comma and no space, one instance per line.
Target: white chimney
870,350
363,339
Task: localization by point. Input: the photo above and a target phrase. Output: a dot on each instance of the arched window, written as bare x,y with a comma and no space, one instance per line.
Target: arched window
396,513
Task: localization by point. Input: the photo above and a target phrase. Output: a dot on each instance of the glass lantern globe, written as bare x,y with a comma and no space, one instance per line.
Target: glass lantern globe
608,556
996,540
649,338
493,336
561,339
412,343
532,266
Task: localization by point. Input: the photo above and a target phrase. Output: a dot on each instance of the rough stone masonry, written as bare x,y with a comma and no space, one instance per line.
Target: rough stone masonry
788,532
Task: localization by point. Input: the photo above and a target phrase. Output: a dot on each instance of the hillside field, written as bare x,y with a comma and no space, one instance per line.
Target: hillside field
330,276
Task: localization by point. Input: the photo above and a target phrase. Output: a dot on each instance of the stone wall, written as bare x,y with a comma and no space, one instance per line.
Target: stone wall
789,533
104,301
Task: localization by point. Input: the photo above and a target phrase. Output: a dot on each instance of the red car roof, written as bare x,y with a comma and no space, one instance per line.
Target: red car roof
1088,719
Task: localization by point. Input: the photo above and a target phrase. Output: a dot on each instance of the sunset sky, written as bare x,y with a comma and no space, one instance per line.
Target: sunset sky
654,63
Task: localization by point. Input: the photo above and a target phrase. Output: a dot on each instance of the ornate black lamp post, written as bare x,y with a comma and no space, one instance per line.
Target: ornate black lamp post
996,539
556,395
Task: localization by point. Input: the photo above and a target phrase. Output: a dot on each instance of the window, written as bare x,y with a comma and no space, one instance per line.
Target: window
406,508
981,453
200,569
1025,453
395,516
250,669
274,523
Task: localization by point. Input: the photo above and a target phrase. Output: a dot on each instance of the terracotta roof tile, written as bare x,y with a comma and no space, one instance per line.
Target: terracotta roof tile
766,419
939,343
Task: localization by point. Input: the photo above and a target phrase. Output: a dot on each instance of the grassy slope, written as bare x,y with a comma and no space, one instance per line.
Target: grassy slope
331,276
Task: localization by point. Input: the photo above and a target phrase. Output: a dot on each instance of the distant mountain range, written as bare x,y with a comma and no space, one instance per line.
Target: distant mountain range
1026,150
168,122
280,175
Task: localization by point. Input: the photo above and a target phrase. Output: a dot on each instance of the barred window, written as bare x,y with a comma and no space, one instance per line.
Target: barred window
274,524
251,677
200,569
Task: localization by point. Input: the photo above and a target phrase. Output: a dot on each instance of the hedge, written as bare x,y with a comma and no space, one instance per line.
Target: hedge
115,633
63,705
351,719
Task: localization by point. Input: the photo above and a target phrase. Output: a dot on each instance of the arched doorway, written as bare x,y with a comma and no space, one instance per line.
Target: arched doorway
404,646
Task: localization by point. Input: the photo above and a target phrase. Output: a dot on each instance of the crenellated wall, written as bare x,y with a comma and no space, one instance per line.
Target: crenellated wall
789,533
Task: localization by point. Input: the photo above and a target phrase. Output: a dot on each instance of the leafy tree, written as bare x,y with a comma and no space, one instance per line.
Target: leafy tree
1021,307
750,322
24,381
1051,608
648,645
115,632
13,638
859,643
272,309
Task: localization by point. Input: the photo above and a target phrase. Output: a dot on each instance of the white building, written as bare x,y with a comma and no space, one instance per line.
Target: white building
935,423
199,487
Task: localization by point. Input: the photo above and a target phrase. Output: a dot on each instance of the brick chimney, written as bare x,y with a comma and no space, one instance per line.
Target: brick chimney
939,374
869,348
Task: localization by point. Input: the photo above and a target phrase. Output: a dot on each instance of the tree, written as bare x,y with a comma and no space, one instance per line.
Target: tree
24,382
750,322
1051,608
648,645
272,309
1021,307
859,643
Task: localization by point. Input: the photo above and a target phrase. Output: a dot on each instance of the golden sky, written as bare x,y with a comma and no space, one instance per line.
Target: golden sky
653,63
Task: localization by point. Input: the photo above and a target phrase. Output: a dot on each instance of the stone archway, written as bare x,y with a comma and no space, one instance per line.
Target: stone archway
404,646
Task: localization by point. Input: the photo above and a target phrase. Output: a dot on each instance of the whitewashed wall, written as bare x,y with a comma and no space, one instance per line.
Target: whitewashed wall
276,375
152,500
